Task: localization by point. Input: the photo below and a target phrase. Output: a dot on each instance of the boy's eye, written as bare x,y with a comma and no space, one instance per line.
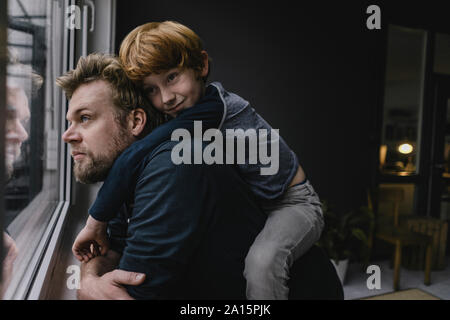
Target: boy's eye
149,91
172,76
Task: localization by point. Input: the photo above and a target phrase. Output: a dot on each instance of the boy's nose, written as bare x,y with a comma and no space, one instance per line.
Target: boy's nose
168,97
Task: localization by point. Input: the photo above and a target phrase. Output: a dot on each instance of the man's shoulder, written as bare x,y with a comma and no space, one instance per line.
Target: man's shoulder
166,156
168,160
164,147
160,155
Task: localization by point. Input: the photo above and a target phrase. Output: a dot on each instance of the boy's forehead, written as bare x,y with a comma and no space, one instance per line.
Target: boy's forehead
154,77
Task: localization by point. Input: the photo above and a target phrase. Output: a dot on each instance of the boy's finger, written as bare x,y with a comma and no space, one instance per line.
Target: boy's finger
77,255
103,250
95,250
85,256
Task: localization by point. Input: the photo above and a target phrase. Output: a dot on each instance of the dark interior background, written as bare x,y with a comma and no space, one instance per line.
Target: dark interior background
314,71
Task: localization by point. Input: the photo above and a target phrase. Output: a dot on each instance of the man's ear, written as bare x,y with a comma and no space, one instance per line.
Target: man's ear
137,121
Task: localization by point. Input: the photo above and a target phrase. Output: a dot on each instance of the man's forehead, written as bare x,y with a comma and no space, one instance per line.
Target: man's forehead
92,96
18,102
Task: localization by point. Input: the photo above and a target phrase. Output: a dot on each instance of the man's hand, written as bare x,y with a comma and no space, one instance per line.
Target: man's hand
109,286
10,249
101,281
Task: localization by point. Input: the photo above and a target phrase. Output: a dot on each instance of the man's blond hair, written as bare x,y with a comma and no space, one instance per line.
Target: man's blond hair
125,94
155,47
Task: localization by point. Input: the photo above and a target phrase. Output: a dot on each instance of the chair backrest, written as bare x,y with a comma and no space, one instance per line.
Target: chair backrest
394,196
435,228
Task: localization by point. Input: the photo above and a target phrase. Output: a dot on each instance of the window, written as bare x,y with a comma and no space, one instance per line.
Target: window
34,154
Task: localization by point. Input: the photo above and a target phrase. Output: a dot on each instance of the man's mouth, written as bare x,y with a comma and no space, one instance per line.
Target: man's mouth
12,153
78,155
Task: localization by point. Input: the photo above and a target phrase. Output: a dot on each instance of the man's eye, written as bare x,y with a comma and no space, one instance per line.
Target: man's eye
11,113
84,118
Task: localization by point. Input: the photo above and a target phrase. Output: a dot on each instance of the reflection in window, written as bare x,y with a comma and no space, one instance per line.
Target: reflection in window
399,153
34,45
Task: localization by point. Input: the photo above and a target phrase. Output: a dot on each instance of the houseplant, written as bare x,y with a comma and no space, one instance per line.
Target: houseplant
345,236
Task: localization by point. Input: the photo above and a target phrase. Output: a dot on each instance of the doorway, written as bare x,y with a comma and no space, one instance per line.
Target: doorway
414,152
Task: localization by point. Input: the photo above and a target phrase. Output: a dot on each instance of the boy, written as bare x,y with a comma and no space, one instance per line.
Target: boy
168,62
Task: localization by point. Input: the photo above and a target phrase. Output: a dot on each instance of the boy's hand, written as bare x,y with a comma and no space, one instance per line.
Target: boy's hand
91,241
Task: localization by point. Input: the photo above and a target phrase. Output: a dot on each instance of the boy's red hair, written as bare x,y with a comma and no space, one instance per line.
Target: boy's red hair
155,47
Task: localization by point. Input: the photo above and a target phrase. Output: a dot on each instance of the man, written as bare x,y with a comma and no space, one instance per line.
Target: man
17,114
187,228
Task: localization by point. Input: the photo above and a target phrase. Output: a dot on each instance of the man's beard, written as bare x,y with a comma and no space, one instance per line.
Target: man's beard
9,171
94,169
12,153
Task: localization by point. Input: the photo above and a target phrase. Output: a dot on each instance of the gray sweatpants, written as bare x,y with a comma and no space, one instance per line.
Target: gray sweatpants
294,224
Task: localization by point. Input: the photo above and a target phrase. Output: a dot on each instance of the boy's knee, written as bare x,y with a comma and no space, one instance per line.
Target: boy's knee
262,261
318,222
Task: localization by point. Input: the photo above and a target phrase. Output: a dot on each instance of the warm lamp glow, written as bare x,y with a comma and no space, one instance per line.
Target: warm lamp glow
405,148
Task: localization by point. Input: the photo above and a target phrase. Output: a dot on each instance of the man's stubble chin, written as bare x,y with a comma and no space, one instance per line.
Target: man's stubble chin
93,169
9,171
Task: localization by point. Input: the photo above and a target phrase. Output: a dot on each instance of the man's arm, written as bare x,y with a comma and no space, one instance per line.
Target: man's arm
101,281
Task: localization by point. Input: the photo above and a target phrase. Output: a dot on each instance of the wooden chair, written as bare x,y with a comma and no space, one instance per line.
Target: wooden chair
397,234
437,230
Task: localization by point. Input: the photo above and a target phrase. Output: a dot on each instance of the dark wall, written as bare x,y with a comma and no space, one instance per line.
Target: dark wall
313,71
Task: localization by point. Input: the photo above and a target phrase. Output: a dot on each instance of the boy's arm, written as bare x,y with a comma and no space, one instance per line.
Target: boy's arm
125,170
100,278
93,234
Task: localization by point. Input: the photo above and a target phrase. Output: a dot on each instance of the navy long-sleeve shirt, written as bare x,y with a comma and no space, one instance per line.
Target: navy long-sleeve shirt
122,177
189,230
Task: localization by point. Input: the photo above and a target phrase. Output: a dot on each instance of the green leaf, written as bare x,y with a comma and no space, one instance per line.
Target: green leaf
360,235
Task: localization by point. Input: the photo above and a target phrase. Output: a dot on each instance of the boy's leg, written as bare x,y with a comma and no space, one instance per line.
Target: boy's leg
294,224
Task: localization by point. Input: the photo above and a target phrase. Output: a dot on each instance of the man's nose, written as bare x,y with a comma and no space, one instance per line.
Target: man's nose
167,96
16,131
71,135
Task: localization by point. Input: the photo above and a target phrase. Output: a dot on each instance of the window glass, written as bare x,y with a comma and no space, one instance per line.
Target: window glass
400,149
32,138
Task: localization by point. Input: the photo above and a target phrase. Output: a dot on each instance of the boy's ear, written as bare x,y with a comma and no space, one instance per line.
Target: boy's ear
137,121
205,68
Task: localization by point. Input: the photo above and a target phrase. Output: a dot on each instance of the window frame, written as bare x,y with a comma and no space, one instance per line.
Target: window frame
3,61
46,279
32,280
